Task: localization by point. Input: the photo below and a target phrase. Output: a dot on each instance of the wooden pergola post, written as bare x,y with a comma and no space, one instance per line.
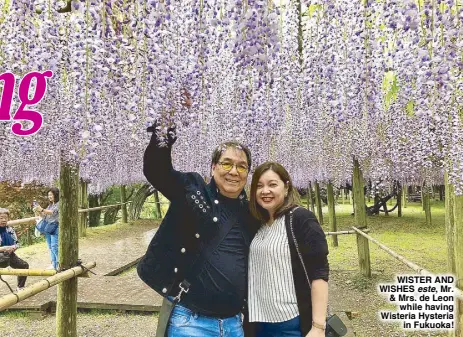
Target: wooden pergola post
458,257
361,219
123,204
450,223
68,247
332,213
83,204
318,203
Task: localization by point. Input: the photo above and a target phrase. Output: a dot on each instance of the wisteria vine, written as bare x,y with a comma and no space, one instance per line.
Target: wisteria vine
379,81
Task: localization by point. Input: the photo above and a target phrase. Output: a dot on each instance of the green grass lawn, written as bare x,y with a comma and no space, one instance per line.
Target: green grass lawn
408,236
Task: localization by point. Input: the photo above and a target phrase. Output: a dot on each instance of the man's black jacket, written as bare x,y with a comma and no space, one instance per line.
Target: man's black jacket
189,224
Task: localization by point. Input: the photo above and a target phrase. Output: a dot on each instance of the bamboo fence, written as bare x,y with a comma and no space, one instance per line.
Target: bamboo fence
21,221
367,230
11,299
415,267
101,207
27,272
27,220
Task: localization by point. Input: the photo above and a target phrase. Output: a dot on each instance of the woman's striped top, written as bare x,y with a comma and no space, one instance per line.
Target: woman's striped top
272,295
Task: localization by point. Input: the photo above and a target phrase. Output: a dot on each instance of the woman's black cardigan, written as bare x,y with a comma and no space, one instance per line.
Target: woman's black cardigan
313,248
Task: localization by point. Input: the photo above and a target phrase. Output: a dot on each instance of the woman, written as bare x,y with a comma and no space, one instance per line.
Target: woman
51,216
8,245
288,265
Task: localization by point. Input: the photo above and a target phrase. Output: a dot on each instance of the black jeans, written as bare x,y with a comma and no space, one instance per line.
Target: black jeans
18,263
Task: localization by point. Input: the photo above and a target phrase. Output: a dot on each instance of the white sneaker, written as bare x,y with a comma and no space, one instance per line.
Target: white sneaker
50,267
19,288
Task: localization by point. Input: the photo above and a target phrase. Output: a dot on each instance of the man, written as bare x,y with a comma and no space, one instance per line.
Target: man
8,246
200,251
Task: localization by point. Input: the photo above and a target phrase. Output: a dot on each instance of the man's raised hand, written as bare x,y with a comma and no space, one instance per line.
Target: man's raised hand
187,101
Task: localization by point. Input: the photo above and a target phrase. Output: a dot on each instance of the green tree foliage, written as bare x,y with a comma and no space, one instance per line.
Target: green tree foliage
18,197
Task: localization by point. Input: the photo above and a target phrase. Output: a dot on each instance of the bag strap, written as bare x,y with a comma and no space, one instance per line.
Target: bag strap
297,245
205,252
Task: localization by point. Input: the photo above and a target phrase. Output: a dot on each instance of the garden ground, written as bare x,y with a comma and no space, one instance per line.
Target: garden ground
408,236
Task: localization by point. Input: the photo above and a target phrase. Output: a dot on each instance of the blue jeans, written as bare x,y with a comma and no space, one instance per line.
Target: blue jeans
52,242
291,328
186,323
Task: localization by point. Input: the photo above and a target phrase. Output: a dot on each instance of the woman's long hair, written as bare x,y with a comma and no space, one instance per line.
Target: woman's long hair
55,192
290,201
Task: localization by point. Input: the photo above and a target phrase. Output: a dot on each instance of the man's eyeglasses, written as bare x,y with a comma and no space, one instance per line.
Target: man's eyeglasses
229,166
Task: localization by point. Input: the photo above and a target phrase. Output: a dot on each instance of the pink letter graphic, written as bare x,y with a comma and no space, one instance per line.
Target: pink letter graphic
7,96
30,115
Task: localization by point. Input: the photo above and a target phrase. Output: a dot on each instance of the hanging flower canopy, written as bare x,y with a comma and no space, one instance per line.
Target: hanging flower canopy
380,81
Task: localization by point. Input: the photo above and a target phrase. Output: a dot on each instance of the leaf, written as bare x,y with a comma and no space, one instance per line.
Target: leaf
314,8
410,109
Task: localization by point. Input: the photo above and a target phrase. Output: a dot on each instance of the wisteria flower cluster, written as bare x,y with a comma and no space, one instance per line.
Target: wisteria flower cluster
380,82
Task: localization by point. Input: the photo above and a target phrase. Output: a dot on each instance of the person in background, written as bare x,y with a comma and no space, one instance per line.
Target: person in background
288,265
9,244
51,215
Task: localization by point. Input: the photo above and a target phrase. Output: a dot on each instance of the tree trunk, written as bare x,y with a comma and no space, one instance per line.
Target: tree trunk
157,205
138,200
123,206
404,195
399,201
318,203
423,205
386,213
94,216
458,249
83,204
311,198
110,215
433,192
426,197
332,214
361,220
68,250
369,192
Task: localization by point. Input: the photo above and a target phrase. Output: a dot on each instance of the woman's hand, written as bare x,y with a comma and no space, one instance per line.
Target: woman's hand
38,209
315,332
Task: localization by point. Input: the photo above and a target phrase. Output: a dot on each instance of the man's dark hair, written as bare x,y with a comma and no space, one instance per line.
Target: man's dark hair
224,146
55,192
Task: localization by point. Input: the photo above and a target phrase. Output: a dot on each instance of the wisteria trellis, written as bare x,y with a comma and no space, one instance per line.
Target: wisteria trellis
378,80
